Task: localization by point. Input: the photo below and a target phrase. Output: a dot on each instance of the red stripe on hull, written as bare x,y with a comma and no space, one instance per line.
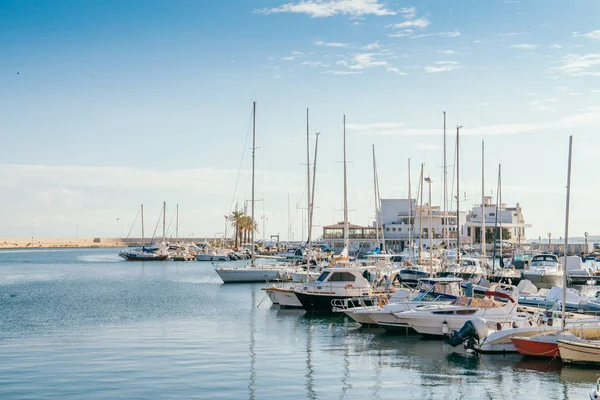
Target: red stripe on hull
534,348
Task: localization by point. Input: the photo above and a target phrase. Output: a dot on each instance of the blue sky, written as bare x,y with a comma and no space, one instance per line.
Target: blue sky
106,105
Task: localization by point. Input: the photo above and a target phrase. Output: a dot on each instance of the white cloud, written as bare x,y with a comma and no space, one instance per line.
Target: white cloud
421,23
408,12
329,8
541,105
288,58
297,53
372,46
330,44
524,46
342,72
477,41
507,34
315,64
443,66
447,52
587,117
409,33
580,65
556,46
591,35
362,61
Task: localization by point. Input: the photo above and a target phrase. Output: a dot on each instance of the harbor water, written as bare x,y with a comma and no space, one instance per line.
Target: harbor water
86,324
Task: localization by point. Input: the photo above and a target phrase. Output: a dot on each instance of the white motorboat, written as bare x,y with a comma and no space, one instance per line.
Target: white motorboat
577,272
580,352
552,298
544,271
441,319
469,269
339,283
495,337
283,297
430,291
208,253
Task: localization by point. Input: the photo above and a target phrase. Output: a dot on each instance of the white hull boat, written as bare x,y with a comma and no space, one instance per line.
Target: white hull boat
283,297
211,257
248,274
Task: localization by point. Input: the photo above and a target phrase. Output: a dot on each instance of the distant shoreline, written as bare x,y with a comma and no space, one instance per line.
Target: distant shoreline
55,243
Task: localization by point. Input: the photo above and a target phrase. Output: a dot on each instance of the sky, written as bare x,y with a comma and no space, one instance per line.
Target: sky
107,105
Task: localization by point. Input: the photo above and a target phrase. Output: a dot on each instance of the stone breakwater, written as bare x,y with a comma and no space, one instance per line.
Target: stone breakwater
37,243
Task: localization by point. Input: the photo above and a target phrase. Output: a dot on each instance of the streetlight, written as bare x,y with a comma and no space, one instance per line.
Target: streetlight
586,242
549,236
429,181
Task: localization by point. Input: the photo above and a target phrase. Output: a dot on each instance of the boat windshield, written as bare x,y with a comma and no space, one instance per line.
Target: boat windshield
480,303
540,263
322,277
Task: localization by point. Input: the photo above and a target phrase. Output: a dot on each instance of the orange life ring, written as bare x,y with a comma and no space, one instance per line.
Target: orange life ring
349,286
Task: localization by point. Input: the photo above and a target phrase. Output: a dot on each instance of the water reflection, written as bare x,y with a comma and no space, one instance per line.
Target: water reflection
252,380
311,395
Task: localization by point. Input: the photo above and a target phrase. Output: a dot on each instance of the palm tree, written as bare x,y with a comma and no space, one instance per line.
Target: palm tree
246,227
236,220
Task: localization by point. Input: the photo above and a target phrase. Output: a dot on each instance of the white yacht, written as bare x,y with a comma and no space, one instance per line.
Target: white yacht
544,271
441,319
577,272
208,253
430,291
469,269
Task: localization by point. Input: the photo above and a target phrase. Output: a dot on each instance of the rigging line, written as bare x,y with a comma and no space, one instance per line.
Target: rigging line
237,180
156,228
451,192
170,222
133,224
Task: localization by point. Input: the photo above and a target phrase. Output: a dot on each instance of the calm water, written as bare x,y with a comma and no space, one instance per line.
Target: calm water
84,324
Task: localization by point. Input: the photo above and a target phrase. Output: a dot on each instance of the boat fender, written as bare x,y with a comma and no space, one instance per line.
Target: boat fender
349,286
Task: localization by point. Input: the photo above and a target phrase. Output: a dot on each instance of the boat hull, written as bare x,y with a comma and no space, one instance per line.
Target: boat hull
535,348
134,257
211,257
323,302
544,281
284,298
412,276
579,352
247,275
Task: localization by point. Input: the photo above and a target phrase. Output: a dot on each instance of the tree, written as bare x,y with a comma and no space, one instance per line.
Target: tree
236,218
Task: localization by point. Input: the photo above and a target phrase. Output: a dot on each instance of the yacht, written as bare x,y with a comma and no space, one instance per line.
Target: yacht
339,283
469,269
429,291
544,271
441,319
208,253
577,272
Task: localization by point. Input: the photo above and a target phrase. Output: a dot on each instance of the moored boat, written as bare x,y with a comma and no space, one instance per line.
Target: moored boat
580,351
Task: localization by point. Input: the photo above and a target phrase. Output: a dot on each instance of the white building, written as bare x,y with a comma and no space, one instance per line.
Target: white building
403,220
510,218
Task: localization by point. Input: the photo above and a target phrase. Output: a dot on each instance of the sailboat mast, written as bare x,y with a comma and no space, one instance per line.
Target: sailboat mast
164,221
177,225
410,216
457,194
252,257
142,212
308,197
483,244
375,199
445,219
564,291
500,209
314,178
421,214
346,241
379,214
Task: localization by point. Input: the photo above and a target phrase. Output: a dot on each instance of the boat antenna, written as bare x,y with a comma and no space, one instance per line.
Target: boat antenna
564,293
252,257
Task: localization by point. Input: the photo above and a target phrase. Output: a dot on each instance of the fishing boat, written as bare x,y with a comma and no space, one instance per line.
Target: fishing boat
580,352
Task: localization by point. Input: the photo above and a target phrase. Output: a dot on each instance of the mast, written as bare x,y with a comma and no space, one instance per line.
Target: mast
142,211
421,215
483,199
164,220
410,222
445,220
564,291
378,214
375,198
346,241
177,225
500,209
312,200
496,222
308,197
457,195
429,233
252,258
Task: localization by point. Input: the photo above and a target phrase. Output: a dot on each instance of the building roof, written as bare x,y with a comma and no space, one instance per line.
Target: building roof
340,225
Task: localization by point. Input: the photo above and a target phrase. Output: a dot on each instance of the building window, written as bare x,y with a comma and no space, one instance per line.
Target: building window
387,229
492,214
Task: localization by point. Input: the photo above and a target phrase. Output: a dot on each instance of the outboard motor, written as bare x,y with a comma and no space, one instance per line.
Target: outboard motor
472,331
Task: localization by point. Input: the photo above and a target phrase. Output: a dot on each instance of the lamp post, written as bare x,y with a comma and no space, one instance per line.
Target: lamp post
549,236
429,181
586,242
